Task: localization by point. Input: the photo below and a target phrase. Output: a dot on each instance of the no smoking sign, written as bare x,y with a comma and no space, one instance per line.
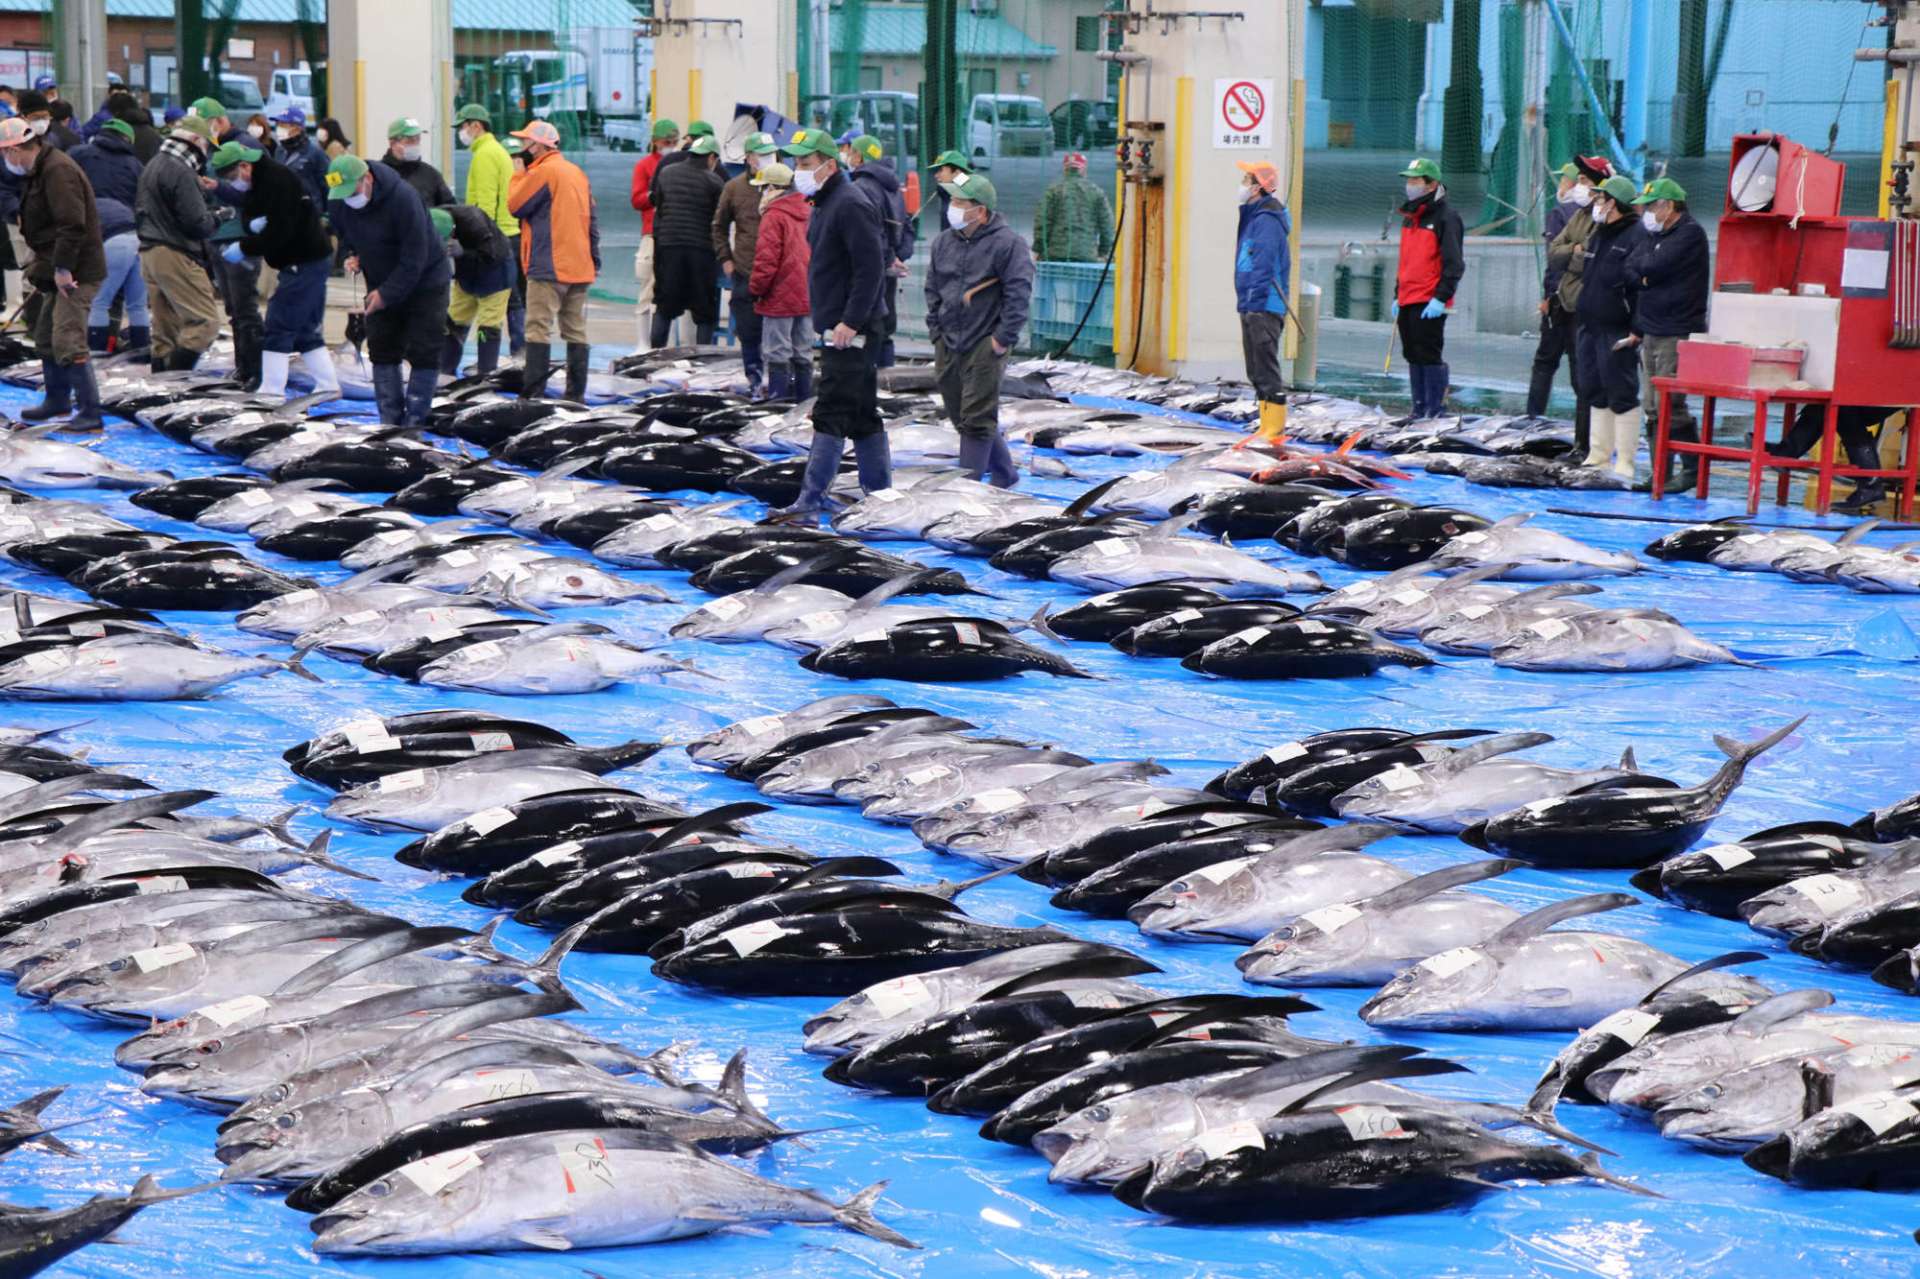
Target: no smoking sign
1242,115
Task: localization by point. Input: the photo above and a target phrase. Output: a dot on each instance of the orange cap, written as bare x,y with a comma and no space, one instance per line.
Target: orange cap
1263,172
539,131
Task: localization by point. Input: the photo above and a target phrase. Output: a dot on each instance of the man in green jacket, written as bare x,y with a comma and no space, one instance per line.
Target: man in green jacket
488,174
1075,221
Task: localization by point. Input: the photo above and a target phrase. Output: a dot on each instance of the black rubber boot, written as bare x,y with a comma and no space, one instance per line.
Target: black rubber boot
86,399
452,349
390,394
1863,454
703,335
973,455
421,384
56,399
802,380
1582,428
823,464
777,382
662,326
1688,474
136,340
577,353
489,352
1002,473
1438,375
533,378
246,361
97,338
875,458
182,360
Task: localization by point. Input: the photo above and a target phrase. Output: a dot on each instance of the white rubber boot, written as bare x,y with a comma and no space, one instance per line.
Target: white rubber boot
644,342
273,373
1599,437
1626,442
319,366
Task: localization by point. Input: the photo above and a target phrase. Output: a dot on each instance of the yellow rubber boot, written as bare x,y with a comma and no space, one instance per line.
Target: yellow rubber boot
1273,421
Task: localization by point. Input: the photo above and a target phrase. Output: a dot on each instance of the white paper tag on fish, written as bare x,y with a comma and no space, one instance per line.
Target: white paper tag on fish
1727,856
1184,616
725,608
1221,872
921,776
758,725
154,958
392,537
584,1164
1629,1025
1831,893
459,557
1471,539
1409,597
1330,919
998,800
230,1012
297,597
153,884
1111,548
1281,754
967,634
1399,778
1218,1143
486,742
361,729
489,820
436,1172
885,495
1549,628
1449,962
412,779
662,520
486,650
1308,626
375,743
891,998
558,853
1474,612
1372,1123
749,938
1879,1112
44,661
1251,636
253,497
749,870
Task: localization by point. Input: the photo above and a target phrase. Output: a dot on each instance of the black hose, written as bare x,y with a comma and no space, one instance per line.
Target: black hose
1106,271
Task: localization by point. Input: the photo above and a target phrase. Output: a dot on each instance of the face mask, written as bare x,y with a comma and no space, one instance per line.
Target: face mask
39,126
1650,221
466,138
356,201
1580,195
956,217
241,184
1603,210
410,151
258,131
1414,191
846,161
321,134
287,135
1249,194
18,171
806,182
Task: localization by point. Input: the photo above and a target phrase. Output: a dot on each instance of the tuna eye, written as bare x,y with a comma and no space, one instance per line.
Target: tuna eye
1193,1159
380,1189
209,1048
118,965
1284,934
285,1122
1099,1114
1712,1091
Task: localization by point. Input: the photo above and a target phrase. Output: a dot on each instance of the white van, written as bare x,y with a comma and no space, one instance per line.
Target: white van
291,88
1007,124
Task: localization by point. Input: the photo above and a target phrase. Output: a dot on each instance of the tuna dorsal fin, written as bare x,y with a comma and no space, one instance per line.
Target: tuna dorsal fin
1536,922
1731,959
1482,573
894,586
1110,964
1769,1013
706,821
1553,591
1487,748
805,568
1306,1068
1206,1010
114,816
1421,887
1857,532
562,470
1425,1066
1084,503
1627,762
1513,521
1743,753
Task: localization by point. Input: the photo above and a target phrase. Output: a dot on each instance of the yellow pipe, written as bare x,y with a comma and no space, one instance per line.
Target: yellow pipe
793,94
1121,258
1889,146
1296,188
360,100
446,116
693,94
1177,246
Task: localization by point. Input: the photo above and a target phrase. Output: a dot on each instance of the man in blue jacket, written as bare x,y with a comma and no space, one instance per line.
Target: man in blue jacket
1674,267
385,224
1262,274
979,284
849,257
871,174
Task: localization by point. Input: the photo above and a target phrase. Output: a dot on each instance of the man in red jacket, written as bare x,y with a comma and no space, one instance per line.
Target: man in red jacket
666,137
1431,264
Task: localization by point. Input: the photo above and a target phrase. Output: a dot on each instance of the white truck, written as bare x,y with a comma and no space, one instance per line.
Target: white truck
291,87
596,78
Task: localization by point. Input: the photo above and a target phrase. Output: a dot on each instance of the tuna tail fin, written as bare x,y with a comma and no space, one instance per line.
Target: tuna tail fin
1729,960
951,889
480,943
545,972
277,827
295,665
1539,921
1628,763
732,1090
856,1214
1548,1092
316,854
1590,1165
1038,621
1743,753
497,588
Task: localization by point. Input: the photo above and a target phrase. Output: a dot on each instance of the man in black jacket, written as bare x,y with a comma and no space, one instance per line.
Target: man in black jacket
686,274
404,157
1606,365
849,258
283,229
482,282
871,174
1674,267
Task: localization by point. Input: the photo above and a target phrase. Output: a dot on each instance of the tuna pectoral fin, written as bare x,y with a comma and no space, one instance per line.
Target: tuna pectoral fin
1381,1069
1116,963
1745,752
856,1214
1546,917
1732,959
1590,1165
1084,503
1207,1010
1554,591
1304,1069
805,569
712,818
535,1234
1488,748
1857,532
1443,735
1769,1013
1424,886
950,889
39,1101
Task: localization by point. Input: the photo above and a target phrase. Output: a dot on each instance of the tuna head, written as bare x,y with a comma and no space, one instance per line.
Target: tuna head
1432,993
295,1143
1109,1141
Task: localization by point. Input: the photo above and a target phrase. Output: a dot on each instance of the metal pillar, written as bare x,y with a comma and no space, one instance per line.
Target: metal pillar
80,62
190,50
1690,82
1465,100
939,102
1633,108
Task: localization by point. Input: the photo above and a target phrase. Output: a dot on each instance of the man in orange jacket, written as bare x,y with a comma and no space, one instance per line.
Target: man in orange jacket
559,255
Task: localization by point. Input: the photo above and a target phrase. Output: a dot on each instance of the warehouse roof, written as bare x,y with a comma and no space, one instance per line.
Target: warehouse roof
900,31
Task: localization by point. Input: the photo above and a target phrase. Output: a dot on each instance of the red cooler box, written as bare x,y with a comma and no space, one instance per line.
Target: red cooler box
1731,364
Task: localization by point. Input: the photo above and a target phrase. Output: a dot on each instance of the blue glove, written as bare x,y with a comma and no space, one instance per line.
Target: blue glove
257,225
233,254
1433,310
1394,314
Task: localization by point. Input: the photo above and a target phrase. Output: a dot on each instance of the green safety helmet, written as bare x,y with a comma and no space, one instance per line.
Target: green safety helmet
344,174
812,142
699,129
664,128
704,145
1618,189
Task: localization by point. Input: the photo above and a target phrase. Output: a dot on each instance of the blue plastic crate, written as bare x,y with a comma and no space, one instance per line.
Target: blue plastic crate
1061,292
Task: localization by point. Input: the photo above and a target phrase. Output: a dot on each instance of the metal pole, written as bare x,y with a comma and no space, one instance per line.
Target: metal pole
1600,117
190,44
1633,110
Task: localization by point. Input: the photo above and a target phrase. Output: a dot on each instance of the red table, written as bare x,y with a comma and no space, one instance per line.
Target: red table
1822,460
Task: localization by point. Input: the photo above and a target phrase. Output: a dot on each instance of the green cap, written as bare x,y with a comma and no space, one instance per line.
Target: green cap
1617,189
229,154
208,108
974,187
120,127
512,145
344,174
473,111
1569,172
704,145
406,127
196,125
868,146
665,129
1422,168
1661,189
812,142
953,160
699,129
442,222
759,144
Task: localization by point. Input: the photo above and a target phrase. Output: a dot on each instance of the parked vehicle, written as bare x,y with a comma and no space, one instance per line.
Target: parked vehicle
1007,124
1080,124
240,94
291,88
594,82
894,118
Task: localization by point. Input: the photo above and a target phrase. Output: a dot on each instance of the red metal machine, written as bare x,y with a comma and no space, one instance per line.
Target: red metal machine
1790,271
